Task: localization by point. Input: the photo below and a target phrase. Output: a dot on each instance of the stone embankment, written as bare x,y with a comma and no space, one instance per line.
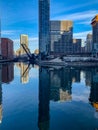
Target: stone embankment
70,62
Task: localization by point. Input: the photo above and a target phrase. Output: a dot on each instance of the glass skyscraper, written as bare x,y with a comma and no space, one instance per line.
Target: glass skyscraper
61,35
44,17
94,24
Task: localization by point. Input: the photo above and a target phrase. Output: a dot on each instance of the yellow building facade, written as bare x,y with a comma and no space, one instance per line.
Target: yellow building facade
23,40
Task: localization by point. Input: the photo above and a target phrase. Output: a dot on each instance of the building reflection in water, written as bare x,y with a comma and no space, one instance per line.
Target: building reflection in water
6,76
94,92
0,93
91,80
7,73
88,77
24,72
56,85
61,83
0,103
44,94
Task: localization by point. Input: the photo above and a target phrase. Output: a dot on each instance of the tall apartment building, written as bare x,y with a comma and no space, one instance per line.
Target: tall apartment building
94,24
7,48
0,39
61,35
44,29
23,40
88,43
77,45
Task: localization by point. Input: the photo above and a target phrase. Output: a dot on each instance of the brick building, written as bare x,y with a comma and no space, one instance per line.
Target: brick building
7,48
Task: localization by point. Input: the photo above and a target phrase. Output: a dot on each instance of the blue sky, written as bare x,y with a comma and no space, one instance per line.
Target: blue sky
21,17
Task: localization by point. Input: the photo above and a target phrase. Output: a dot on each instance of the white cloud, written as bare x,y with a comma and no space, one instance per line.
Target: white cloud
35,39
80,92
86,22
33,43
9,32
81,35
78,16
83,98
16,41
55,11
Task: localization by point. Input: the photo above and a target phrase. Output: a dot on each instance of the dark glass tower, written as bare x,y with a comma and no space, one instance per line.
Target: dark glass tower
44,17
94,24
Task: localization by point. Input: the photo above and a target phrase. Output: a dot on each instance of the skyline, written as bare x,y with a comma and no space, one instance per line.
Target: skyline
22,18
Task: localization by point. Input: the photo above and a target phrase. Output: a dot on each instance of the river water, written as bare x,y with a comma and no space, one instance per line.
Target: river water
56,98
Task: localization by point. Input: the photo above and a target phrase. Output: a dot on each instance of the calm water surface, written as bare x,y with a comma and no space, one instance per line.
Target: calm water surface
33,98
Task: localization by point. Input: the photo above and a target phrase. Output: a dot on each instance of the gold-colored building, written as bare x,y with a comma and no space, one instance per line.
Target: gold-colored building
24,73
65,96
94,20
17,53
66,25
23,40
36,51
61,35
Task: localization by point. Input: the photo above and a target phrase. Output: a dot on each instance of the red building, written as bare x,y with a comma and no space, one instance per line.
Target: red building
7,73
7,48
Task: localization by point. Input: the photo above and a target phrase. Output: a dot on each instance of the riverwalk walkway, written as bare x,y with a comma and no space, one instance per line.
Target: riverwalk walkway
70,62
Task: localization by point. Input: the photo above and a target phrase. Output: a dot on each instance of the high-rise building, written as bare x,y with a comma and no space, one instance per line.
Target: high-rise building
44,29
1,113
0,37
77,45
89,43
7,48
61,35
94,24
23,40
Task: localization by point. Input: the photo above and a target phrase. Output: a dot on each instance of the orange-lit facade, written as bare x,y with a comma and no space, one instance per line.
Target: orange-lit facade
94,24
94,20
95,104
94,91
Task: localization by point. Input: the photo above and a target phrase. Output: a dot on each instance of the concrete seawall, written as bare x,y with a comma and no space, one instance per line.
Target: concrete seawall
81,64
